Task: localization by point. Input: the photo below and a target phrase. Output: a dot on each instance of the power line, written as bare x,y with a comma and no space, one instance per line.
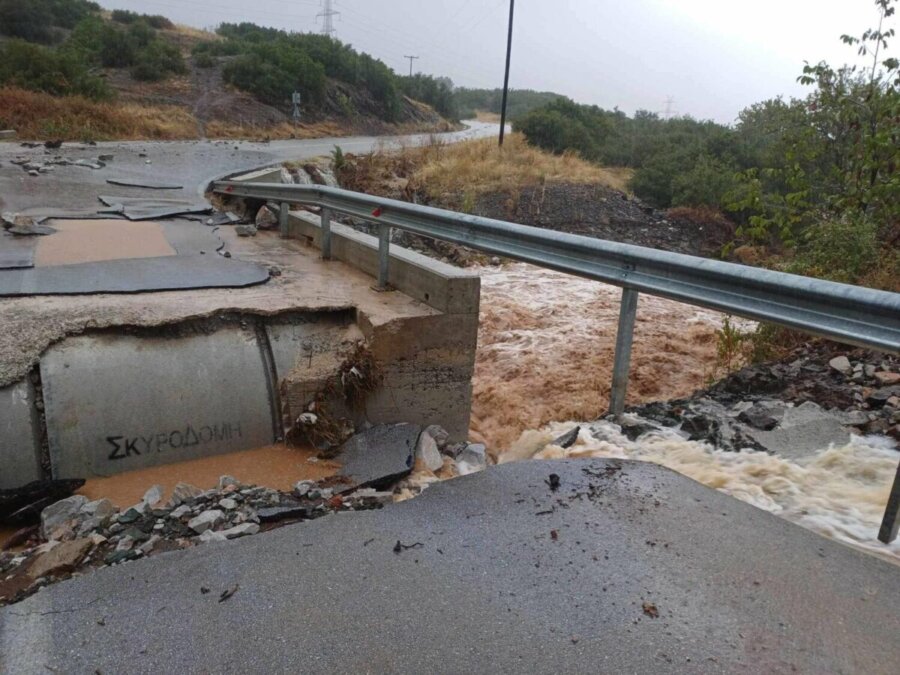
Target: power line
329,13
411,59
669,112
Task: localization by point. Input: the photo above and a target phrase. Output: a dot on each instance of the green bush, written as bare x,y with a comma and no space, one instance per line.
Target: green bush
39,68
41,20
204,60
840,249
157,61
127,17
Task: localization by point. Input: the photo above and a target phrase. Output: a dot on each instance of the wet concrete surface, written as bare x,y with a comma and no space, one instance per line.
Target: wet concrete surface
626,567
192,164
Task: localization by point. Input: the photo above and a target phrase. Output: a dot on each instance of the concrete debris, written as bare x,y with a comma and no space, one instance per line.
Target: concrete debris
24,226
472,460
439,434
206,520
246,230
228,481
428,456
212,535
302,488
60,559
379,456
60,514
266,218
241,530
153,496
84,533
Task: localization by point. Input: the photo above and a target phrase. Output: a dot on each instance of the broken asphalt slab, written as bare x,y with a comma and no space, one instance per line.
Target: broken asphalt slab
138,208
149,185
380,456
16,252
480,579
137,275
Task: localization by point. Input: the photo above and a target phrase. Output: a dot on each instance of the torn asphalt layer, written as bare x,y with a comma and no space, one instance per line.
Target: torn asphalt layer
731,587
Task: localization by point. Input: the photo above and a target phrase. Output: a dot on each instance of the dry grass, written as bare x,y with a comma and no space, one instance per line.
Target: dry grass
478,167
286,130
73,118
489,117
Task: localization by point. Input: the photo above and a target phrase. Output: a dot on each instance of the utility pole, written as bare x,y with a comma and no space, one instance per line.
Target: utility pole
512,10
329,13
411,59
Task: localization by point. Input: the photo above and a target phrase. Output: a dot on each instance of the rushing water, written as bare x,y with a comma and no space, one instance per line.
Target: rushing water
839,492
545,355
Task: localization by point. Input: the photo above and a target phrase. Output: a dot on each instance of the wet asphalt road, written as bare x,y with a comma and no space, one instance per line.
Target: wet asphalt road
627,567
192,164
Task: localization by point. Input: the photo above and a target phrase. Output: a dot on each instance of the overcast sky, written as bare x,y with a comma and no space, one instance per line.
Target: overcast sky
713,57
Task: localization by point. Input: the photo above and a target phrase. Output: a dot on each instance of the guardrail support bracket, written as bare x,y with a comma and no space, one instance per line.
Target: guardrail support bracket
326,233
384,257
891,523
624,338
284,211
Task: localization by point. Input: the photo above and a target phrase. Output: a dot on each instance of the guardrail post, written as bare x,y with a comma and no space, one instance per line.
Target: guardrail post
326,233
891,523
283,212
624,337
384,256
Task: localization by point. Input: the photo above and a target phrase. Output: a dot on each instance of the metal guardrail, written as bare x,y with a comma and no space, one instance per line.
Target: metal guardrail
848,314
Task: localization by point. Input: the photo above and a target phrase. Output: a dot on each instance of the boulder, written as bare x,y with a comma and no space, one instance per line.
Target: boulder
63,513
206,521
841,364
61,559
472,460
428,456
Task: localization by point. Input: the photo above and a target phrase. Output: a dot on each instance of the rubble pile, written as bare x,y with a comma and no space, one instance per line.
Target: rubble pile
76,534
820,389
36,167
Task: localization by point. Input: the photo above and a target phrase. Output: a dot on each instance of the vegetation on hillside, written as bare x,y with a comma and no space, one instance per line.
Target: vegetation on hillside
58,45
817,178
271,64
520,101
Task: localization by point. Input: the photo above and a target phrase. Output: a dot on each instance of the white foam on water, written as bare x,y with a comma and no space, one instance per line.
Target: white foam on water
838,492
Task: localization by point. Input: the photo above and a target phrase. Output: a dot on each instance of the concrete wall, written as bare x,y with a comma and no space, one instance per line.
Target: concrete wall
427,361
127,398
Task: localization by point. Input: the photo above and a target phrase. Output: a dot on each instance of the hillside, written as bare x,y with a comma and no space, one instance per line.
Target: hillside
236,82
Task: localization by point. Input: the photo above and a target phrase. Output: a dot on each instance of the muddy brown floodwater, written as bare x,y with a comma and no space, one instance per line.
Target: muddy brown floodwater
546,345
83,241
275,466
